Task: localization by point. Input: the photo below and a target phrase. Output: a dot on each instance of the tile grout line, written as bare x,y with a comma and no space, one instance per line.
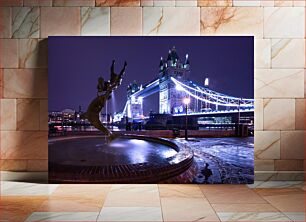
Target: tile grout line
111,185
209,203
160,203
267,202
278,210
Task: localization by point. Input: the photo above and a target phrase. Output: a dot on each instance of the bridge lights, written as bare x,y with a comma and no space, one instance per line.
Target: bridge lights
179,87
186,101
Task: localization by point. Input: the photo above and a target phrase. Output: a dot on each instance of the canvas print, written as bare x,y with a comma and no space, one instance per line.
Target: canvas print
151,109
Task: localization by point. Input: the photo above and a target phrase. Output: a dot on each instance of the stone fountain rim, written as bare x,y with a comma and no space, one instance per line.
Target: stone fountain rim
177,164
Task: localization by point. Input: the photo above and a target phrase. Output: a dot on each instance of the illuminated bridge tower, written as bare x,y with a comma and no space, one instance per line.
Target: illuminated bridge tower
134,104
171,97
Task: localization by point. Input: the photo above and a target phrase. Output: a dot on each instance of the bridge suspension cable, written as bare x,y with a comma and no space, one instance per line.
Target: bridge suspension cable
209,92
214,97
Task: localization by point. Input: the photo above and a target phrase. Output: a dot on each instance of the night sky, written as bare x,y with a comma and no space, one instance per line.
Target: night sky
75,63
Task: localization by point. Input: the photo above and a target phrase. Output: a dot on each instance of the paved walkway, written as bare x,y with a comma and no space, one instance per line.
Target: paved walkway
230,159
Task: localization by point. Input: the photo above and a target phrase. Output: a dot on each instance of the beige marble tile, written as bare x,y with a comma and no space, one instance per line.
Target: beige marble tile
73,2
126,21
258,114
305,82
92,191
284,199
130,214
279,191
249,3
5,3
182,191
276,184
263,207
186,3
118,3
171,21
23,144
8,53
289,165
52,16
283,50
299,3
279,83
221,3
279,114
146,2
230,194
11,185
63,216
8,114
278,22
295,216
25,83
253,216
33,53
43,114
163,3
267,3
279,175
300,114
187,209
27,114
1,84
292,144
95,21
263,53
5,22
18,208
37,165
267,145
13,165
280,3
37,2
141,195
232,21
263,165
71,204
25,22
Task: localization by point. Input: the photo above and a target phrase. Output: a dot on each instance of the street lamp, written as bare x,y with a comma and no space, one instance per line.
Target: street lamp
186,101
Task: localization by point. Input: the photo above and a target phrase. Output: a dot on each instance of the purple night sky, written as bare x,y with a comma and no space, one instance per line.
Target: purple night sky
75,63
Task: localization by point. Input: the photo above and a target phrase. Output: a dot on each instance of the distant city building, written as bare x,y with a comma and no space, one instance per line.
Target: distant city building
66,116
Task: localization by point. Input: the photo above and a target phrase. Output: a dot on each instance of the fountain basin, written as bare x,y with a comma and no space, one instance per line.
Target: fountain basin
127,159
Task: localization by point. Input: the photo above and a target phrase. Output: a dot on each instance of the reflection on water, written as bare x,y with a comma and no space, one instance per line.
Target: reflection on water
90,151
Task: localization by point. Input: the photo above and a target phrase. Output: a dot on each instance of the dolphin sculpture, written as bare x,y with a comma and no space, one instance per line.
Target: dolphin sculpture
104,93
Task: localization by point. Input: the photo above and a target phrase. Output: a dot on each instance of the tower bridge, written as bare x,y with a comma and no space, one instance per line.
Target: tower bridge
173,85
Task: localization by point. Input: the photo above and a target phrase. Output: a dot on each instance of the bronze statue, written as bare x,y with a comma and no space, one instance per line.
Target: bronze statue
105,88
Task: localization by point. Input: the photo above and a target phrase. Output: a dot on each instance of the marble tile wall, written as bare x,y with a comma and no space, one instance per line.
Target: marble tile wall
280,83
